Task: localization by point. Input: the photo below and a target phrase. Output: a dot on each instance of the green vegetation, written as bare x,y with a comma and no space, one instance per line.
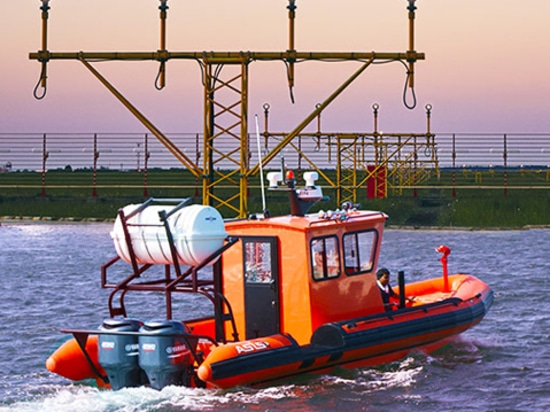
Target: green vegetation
480,199
470,208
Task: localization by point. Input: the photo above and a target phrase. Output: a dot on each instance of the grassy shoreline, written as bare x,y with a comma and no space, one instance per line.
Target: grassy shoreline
520,209
447,201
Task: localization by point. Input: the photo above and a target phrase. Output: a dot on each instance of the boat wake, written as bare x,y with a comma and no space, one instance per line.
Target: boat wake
65,398
91,399
305,392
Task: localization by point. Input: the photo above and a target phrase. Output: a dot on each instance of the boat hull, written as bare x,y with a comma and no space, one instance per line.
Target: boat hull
371,340
364,341
71,362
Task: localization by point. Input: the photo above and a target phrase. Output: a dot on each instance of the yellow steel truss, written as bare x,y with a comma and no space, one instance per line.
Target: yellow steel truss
225,78
389,161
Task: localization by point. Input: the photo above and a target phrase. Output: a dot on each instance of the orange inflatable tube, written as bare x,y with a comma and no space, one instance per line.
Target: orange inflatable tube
236,349
69,360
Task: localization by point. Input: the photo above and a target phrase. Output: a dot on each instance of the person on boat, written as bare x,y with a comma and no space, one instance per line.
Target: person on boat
383,281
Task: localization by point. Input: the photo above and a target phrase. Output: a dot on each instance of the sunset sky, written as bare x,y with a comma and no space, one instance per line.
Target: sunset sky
487,66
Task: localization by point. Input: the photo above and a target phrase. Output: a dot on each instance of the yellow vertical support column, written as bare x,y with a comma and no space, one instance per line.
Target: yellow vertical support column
245,152
226,152
346,173
161,79
291,50
411,50
339,171
43,54
208,127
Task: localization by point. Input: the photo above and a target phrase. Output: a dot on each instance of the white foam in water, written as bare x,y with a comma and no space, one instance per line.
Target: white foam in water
376,379
257,396
401,378
90,399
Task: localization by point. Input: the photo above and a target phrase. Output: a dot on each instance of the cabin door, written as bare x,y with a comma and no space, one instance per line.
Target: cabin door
261,286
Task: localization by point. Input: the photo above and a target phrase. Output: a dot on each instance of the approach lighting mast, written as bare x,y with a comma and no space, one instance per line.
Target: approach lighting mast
225,99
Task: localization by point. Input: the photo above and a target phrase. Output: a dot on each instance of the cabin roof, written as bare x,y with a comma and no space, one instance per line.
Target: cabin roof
311,221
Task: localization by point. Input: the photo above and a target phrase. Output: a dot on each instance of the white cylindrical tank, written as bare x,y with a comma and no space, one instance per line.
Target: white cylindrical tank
197,230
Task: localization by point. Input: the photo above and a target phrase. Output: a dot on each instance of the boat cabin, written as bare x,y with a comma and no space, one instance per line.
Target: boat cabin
291,274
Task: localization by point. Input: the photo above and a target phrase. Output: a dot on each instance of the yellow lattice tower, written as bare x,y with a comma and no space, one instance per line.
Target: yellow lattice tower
216,110
383,161
225,118
375,161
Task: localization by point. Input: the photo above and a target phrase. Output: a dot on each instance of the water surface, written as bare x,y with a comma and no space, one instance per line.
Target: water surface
50,279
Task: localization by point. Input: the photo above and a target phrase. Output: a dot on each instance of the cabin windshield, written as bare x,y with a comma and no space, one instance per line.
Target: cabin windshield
359,251
325,257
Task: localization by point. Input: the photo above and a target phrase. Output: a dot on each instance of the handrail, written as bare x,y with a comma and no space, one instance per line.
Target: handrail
166,284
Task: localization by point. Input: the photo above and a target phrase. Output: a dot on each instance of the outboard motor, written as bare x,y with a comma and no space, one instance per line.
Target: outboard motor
118,354
164,354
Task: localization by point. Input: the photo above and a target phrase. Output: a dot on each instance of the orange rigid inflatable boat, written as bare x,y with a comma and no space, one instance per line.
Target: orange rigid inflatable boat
290,295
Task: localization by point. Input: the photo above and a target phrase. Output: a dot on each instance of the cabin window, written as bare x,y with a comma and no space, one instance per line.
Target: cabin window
325,258
359,251
257,257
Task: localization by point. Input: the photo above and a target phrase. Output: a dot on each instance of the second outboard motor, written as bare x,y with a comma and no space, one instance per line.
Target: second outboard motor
164,355
118,354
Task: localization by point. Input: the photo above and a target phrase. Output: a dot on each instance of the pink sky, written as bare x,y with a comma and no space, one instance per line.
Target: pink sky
486,70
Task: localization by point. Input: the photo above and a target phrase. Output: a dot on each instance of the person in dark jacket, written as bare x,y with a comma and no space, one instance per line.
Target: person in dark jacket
383,281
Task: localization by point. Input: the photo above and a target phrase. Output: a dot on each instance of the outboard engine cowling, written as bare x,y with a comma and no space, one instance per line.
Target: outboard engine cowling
118,354
164,354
